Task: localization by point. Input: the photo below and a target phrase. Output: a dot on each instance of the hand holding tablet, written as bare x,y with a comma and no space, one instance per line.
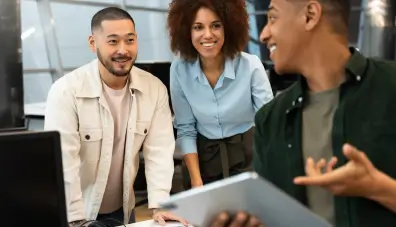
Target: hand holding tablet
245,192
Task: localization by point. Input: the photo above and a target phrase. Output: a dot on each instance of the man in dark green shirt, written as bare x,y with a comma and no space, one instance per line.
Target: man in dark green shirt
330,139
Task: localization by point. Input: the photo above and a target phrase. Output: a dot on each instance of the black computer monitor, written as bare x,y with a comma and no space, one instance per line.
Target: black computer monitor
31,175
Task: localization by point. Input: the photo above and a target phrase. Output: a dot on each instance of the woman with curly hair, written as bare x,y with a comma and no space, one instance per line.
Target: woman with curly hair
215,87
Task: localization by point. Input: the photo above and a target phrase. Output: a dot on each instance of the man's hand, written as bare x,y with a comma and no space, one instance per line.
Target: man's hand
241,219
162,216
356,178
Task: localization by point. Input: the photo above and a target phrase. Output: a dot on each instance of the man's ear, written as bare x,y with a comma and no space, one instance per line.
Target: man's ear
313,14
91,43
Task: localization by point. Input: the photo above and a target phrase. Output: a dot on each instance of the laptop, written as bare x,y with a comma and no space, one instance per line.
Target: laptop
32,187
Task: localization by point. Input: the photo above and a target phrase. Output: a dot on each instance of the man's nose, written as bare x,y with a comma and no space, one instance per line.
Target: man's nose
265,34
122,48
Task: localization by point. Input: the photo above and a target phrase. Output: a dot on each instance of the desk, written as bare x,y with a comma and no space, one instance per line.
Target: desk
34,113
35,109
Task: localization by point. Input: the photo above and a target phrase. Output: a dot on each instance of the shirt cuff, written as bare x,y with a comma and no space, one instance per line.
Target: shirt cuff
187,145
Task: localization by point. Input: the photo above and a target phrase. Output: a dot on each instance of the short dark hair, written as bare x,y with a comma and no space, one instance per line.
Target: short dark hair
338,14
232,14
109,13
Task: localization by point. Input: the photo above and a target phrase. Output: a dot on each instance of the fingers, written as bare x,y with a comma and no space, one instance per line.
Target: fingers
164,216
330,166
241,219
221,220
319,166
181,220
254,222
160,220
333,177
353,154
310,169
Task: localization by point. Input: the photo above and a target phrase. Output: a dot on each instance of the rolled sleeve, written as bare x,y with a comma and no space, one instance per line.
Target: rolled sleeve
187,145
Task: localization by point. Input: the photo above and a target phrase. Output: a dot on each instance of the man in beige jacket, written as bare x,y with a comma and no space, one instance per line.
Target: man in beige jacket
106,111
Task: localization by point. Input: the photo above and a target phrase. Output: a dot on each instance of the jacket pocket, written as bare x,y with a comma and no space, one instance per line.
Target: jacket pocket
142,127
91,144
141,131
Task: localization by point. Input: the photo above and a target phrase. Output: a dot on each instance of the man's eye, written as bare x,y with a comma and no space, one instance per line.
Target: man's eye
271,18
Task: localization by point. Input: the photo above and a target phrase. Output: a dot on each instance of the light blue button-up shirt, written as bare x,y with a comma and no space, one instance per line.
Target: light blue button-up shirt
227,109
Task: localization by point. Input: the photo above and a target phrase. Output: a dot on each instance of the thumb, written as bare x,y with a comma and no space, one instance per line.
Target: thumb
353,154
160,220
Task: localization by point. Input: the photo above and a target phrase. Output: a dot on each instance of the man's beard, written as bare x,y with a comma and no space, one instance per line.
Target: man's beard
108,64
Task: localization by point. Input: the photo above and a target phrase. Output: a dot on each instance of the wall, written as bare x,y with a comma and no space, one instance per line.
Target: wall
64,35
72,28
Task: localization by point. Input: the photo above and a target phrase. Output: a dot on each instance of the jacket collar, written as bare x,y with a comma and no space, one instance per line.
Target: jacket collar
355,71
91,84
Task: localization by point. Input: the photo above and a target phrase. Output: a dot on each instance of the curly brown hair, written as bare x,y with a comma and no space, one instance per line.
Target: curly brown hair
232,13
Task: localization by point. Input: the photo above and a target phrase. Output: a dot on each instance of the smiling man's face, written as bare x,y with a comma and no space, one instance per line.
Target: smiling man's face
285,34
116,46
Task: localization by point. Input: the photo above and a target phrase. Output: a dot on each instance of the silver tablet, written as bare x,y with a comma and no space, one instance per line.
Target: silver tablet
244,192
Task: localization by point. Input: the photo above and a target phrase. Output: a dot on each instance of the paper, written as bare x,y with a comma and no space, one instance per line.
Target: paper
171,224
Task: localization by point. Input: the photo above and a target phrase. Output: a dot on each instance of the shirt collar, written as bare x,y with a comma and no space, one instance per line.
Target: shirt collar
355,71
229,69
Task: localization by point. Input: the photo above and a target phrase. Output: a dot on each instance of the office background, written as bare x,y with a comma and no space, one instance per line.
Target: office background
54,36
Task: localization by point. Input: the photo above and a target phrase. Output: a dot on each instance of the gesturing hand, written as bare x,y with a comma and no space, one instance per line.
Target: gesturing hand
356,178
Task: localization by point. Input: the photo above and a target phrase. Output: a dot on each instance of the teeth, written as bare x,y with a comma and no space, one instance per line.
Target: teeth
208,44
272,48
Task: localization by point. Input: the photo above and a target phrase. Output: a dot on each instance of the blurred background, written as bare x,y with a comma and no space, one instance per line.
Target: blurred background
54,35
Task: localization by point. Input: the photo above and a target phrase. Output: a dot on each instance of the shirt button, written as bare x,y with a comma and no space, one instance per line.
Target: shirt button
289,145
300,99
87,137
294,103
358,78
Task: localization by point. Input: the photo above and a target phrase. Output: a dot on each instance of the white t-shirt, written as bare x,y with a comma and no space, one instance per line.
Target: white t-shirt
119,102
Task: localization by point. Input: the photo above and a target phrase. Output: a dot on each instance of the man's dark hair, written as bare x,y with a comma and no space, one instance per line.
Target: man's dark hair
232,14
338,12
109,13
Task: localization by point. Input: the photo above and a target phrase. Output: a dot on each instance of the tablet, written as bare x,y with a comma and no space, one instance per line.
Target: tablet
244,192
